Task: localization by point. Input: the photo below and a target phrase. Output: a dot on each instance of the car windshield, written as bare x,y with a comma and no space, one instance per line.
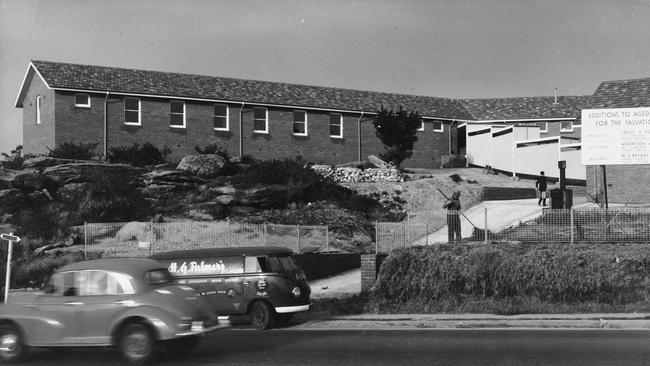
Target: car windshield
159,277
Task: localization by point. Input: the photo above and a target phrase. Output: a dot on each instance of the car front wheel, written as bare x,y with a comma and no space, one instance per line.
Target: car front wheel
137,344
262,315
12,347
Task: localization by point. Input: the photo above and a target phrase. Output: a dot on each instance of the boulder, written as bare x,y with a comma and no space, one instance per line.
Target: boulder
27,180
178,178
226,199
378,162
89,172
157,189
47,161
134,231
204,165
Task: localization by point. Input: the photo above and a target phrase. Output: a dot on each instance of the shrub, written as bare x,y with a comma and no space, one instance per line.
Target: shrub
70,150
214,149
15,159
138,155
516,277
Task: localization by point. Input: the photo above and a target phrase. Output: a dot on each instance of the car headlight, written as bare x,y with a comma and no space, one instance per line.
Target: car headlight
296,292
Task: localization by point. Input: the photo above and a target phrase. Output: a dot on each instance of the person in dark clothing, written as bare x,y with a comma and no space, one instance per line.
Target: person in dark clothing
453,219
540,184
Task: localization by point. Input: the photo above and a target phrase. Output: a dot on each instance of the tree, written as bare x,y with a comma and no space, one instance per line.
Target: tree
397,131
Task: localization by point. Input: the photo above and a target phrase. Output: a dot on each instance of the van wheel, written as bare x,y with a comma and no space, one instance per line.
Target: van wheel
262,315
137,344
12,347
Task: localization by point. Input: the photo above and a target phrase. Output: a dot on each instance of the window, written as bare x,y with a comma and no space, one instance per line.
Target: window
543,126
421,128
82,100
220,118
38,110
252,265
132,111
336,125
300,123
177,114
566,126
260,120
438,126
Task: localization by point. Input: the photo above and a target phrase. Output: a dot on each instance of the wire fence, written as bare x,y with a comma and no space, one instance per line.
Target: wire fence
141,239
585,225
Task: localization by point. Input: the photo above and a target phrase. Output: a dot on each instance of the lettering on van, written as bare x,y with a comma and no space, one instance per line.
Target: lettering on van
193,267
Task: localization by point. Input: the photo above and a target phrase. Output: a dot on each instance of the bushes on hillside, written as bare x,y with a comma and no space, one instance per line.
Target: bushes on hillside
71,150
14,160
138,155
512,278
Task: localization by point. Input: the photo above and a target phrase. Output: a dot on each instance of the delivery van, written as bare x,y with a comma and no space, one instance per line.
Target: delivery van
265,282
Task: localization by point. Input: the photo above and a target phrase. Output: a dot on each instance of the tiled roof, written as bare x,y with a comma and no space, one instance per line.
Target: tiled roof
525,108
119,80
622,94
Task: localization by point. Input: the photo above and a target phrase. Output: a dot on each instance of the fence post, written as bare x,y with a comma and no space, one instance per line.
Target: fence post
327,238
266,242
376,238
571,225
427,235
228,233
486,226
298,238
152,239
85,240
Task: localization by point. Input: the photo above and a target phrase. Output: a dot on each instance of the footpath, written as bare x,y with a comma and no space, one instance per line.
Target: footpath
476,321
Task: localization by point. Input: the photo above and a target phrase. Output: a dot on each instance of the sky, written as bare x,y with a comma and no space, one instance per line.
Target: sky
441,48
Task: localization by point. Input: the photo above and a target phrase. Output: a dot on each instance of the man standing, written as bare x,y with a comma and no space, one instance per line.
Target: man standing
540,184
453,220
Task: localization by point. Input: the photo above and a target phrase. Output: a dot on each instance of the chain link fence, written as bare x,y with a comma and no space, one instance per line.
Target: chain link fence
587,225
141,239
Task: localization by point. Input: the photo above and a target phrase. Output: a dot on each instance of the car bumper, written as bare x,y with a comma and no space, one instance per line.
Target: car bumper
224,322
291,309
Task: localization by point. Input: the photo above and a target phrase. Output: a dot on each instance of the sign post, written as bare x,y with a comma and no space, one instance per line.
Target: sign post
11,238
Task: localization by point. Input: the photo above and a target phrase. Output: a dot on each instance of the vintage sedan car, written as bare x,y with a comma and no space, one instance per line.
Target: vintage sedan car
132,304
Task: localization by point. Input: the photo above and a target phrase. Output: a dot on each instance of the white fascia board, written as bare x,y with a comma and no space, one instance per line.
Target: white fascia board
491,121
213,100
31,69
542,139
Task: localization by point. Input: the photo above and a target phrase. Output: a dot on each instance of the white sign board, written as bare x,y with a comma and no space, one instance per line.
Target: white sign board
616,136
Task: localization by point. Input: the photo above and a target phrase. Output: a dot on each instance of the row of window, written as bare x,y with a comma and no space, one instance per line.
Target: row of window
221,116
565,126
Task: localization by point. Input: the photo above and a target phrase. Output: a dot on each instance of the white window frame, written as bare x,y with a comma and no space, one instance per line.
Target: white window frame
227,128
139,123
340,135
266,120
184,114
442,125
38,110
545,130
303,122
87,105
421,128
566,129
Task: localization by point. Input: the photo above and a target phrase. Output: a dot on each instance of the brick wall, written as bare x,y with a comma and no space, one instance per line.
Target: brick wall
370,265
86,125
625,183
37,138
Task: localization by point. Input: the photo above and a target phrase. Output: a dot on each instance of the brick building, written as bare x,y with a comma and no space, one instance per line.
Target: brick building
118,107
625,183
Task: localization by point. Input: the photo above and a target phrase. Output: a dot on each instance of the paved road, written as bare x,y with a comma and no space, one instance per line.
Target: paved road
389,347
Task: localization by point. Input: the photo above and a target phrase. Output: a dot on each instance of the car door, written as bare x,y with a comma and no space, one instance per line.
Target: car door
228,291
58,310
105,294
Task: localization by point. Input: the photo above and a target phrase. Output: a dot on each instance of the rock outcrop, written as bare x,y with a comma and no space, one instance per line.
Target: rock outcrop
205,165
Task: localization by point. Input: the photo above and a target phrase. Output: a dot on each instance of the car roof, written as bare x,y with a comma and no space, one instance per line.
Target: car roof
127,265
218,252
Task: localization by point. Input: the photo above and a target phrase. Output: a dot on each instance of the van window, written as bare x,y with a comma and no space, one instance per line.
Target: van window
252,265
275,265
288,264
